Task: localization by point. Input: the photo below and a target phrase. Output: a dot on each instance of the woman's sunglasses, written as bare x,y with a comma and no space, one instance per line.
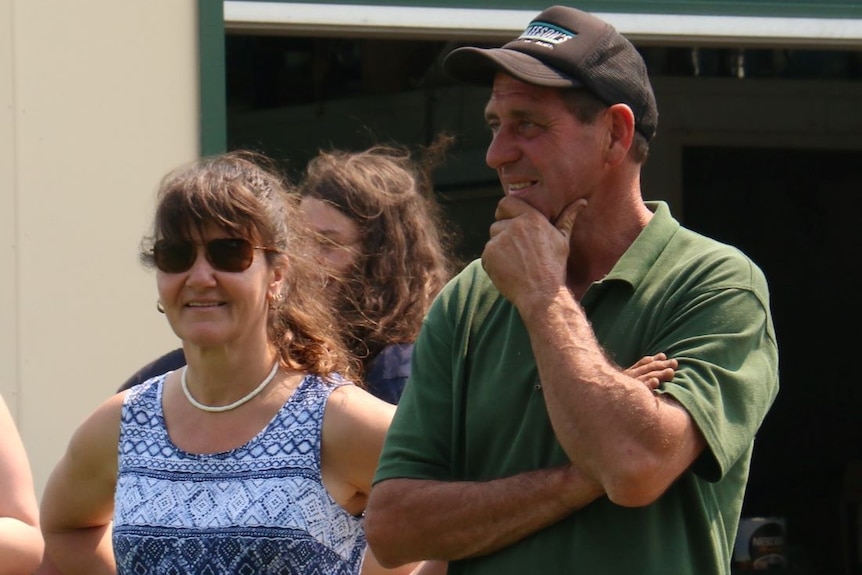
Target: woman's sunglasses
224,254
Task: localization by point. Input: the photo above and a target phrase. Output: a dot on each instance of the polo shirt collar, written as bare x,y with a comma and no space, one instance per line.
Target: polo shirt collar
640,257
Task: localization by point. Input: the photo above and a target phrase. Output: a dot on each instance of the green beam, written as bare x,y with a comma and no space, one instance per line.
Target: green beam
775,8
213,87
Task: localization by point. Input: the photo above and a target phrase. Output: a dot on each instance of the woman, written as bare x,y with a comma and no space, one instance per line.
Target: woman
385,248
20,539
227,465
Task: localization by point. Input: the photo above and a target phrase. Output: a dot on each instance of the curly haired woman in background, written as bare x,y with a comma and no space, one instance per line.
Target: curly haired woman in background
386,250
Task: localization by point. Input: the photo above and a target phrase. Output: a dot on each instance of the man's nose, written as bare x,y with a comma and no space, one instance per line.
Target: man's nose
501,150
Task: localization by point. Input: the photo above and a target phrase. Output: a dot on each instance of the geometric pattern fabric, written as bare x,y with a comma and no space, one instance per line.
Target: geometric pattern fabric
256,510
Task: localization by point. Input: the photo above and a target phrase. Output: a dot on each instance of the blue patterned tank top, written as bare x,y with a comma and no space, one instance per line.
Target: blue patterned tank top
258,509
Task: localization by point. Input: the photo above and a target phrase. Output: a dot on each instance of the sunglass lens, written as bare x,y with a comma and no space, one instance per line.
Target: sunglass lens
173,256
230,254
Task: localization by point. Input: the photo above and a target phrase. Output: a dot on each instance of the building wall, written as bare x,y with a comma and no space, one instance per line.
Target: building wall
98,100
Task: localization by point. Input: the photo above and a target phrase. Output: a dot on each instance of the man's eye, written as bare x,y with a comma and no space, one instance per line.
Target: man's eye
529,129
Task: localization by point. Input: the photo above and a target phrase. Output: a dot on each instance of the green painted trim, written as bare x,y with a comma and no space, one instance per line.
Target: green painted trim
774,8
212,90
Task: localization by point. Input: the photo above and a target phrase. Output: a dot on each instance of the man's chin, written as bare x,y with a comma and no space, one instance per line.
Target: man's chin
531,201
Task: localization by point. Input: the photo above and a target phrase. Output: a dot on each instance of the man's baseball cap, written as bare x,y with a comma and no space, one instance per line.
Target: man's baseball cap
564,47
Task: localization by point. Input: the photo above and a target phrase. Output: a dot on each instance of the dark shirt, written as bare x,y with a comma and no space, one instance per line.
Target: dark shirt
170,361
388,373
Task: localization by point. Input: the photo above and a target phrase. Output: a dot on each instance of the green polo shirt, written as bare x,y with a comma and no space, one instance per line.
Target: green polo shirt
474,410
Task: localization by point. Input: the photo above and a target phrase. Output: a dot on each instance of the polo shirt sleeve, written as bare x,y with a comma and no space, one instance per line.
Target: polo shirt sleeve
725,342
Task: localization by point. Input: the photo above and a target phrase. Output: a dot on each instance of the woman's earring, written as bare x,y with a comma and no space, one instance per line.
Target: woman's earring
159,306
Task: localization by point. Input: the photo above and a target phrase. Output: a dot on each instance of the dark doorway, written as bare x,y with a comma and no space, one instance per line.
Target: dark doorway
796,213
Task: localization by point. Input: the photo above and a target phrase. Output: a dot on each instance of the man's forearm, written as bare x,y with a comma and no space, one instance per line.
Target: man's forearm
409,520
609,423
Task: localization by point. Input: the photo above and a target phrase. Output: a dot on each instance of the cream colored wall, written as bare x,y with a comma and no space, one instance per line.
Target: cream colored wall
98,100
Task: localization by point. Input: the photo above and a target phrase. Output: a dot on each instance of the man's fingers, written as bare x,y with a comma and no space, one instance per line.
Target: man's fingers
566,220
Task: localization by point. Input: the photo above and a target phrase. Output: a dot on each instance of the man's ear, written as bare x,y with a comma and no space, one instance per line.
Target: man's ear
621,123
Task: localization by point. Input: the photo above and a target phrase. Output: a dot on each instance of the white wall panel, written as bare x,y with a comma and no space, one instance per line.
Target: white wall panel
101,99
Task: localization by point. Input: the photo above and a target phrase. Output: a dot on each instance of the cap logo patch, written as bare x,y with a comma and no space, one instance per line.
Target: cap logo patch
544,33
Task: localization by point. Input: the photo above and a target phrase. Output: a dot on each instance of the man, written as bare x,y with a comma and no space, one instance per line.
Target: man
520,446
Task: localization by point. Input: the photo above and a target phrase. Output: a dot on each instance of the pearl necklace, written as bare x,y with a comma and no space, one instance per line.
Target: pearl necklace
233,405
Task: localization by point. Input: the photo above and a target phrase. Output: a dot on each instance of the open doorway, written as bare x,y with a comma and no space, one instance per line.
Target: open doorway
796,213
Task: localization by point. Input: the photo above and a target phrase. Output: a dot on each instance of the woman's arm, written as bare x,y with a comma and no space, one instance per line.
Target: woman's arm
354,429
370,566
21,542
78,502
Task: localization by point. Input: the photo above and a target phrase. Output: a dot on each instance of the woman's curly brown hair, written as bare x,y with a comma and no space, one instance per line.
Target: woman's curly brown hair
405,254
